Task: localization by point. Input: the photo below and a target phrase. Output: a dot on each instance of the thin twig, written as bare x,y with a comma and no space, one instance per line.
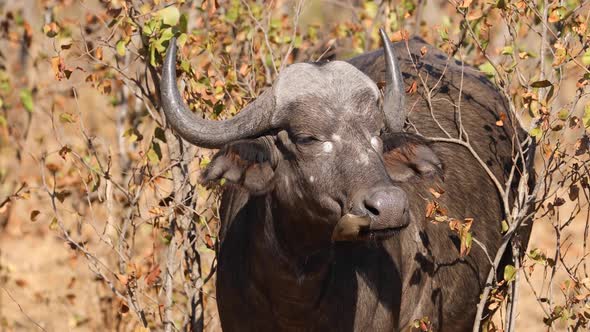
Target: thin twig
22,311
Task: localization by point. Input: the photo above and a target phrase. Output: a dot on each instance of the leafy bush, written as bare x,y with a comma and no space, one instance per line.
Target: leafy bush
87,154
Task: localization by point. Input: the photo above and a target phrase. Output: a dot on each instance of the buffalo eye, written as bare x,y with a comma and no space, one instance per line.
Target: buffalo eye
305,140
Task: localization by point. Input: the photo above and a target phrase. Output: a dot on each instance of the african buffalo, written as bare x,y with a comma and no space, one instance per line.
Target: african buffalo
323,220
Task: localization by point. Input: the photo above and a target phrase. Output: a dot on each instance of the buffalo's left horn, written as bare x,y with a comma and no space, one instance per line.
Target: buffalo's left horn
252,121
393,104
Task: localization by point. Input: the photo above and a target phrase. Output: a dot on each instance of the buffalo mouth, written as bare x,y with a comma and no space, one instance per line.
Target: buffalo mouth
379,234
355,228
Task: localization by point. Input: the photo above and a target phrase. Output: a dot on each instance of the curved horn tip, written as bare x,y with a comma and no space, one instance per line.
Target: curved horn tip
170,58
393,108
383,34
392,63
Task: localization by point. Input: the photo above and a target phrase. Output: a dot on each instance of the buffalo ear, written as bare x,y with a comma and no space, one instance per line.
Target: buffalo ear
246,163
409,156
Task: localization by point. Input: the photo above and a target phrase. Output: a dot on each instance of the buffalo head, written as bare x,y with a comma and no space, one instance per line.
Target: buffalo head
314,142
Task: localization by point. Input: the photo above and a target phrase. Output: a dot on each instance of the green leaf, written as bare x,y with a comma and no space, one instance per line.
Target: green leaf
121,47
468,240
371,8
183,26
155,153
185,66
565,315
153,156
557,14
53,224
541,84
487,69
233,13
166,35
298,41
586,116
170,15
66,118
504,226
204,162
114,22
538,256
166,238
182,39
152,55
507,50
151,26
586,58
158,45
26,98
3,121
509,273
563,114
130,133
536,132
443,33
218,108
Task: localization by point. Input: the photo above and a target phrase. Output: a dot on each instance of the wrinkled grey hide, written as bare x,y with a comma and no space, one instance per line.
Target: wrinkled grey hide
326,156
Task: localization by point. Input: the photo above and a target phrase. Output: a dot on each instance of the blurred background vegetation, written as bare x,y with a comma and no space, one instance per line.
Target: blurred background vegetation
102,223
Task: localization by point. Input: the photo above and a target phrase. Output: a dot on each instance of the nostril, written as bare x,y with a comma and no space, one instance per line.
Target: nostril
373,211
371,207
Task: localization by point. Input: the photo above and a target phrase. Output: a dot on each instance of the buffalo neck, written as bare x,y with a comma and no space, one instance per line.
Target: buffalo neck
297,271
300,245
287,276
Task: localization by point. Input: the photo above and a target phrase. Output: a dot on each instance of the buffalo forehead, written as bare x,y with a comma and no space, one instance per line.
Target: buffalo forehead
336,81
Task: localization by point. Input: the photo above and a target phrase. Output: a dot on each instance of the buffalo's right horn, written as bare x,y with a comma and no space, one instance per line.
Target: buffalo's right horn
252,121
393,104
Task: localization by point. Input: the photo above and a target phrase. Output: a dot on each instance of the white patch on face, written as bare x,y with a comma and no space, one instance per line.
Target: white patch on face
363,159
375,143
311,179
328,146
336,138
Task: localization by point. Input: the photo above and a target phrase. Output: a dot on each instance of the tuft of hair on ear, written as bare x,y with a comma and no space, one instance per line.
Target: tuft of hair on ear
248,151
247,163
